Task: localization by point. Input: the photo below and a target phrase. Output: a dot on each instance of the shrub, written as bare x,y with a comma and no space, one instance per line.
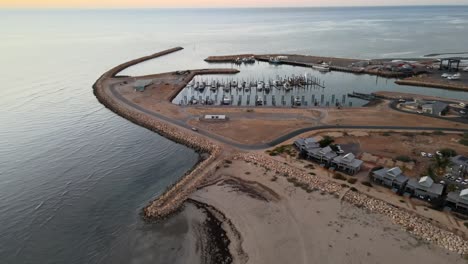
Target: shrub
353,189
403,158
448,152
352,180
463,141
425,134
408,134
438,133
385,134
326,140
366,183
339,176
466,224
228,161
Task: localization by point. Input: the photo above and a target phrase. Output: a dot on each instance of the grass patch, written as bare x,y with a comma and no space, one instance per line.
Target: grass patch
438,133
288,149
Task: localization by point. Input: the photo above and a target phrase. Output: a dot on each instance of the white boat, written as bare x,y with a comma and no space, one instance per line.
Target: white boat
456,76
267,87
322,67
226,100
260,86
196,86
465,69
297,101
445,75
259,102
287,86
274,60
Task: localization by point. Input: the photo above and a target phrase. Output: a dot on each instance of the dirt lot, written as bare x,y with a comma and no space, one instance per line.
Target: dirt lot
389,145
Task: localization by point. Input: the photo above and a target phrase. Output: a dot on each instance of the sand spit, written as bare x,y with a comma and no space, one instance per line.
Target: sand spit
416,225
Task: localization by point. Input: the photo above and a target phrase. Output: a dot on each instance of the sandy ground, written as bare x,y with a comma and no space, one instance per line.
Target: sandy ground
280,223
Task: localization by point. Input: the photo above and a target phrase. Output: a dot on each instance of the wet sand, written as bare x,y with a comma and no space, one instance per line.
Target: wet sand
281,223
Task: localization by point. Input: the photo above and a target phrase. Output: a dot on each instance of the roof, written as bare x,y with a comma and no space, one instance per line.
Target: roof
435,188
426,181
393,172
348,159
464,194
142,83
437,106
215,116
460,160
324,152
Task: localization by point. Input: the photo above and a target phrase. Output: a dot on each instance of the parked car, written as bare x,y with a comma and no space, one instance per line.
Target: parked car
430,155
462,112
438,153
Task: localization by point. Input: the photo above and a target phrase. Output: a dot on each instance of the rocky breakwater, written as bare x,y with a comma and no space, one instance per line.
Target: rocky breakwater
416,225
288,171
176,194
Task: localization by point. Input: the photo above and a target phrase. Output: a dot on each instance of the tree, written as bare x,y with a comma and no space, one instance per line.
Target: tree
326,140
448,152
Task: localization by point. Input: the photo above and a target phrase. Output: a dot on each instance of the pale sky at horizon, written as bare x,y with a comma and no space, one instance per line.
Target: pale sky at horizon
215,3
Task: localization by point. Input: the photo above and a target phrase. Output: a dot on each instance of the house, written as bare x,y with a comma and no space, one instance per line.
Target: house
459,166
458,201
392,178
305,144
435,108
424,188
347,163
322,155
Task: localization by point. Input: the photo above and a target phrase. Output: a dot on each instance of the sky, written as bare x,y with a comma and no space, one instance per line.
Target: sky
214,3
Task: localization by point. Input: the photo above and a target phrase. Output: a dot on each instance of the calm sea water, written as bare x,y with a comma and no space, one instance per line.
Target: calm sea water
74,176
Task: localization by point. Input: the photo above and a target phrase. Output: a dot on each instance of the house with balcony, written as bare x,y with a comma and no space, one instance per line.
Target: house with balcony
392,178
347,163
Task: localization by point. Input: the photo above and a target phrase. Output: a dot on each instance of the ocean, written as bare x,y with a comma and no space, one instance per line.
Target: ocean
74,176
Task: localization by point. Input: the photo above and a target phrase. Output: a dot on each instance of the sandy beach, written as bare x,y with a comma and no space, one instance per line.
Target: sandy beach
281,223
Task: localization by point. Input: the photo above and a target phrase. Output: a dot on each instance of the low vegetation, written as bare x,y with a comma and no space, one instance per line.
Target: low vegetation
367,183
403,158
288,149
464,139
339,176
352,180
438,133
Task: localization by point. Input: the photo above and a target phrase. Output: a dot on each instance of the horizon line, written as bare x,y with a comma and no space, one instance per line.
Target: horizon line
223,7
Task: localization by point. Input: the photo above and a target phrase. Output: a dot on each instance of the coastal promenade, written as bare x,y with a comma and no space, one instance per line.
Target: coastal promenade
245,134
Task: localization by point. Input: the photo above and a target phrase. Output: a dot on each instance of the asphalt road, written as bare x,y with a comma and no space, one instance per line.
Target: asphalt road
276,141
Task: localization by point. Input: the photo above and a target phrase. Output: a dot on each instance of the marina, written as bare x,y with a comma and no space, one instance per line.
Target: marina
305,90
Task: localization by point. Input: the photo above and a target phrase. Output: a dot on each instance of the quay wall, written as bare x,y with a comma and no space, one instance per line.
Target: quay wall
448,86
417,225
